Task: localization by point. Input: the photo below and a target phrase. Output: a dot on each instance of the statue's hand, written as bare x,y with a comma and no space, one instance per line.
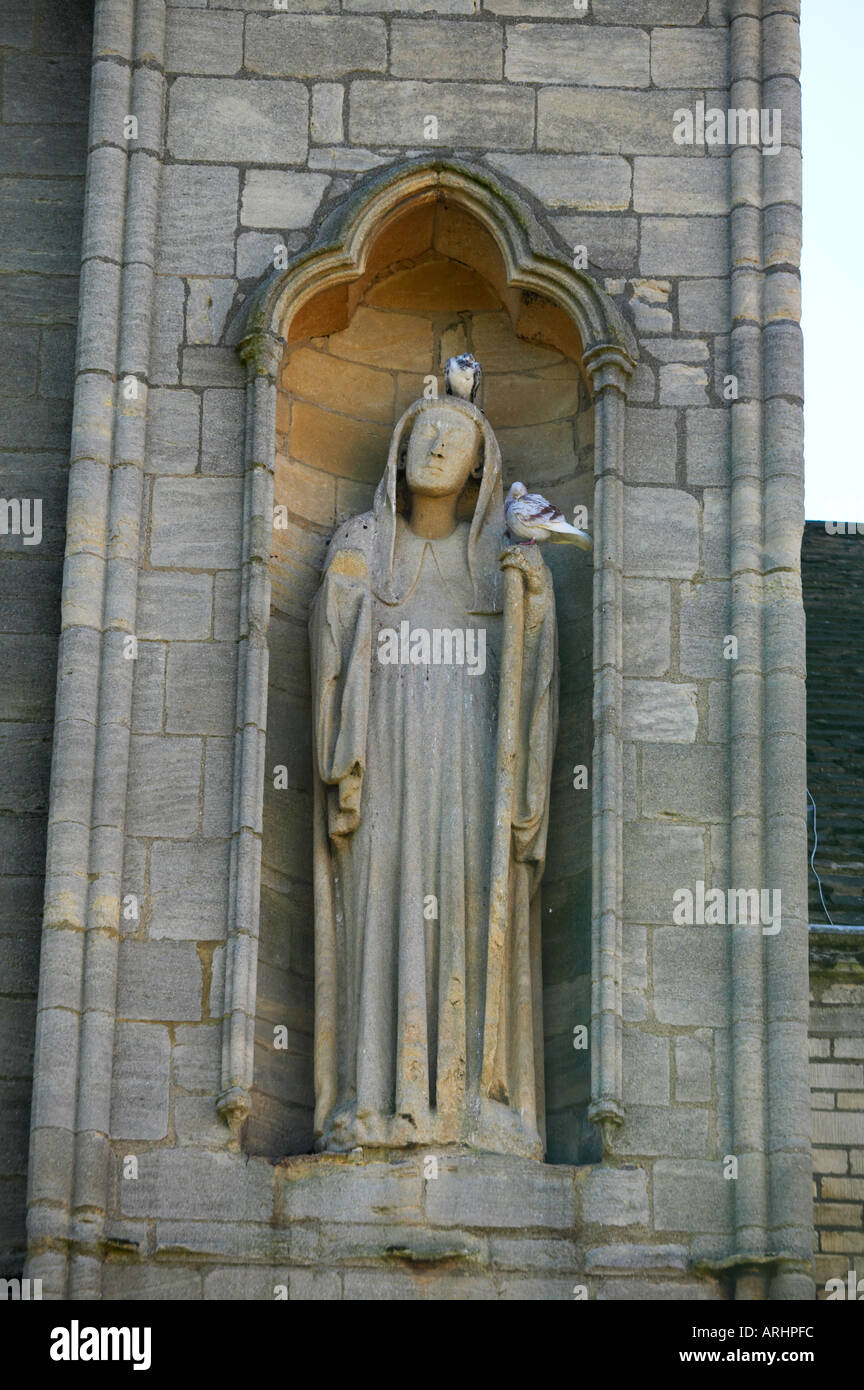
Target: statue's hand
528,559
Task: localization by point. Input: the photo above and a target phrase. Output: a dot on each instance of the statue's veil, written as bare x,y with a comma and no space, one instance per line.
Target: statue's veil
487,523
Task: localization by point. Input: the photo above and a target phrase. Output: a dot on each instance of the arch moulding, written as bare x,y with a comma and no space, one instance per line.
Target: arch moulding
534,262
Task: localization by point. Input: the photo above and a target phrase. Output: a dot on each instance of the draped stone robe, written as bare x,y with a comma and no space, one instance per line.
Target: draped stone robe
406,799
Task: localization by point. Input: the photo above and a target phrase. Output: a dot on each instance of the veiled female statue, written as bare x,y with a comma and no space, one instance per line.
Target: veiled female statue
435,675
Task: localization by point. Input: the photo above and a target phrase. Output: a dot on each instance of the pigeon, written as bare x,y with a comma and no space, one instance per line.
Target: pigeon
532,518
462,376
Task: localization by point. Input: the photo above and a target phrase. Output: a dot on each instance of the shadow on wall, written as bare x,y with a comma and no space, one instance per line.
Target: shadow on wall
434,285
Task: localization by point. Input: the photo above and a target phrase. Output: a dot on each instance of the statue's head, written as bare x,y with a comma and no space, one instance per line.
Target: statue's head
444,449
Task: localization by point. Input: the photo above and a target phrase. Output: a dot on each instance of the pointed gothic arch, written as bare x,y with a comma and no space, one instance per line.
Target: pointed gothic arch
337,257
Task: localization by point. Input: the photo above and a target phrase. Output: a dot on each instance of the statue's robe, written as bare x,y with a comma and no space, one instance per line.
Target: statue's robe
407,794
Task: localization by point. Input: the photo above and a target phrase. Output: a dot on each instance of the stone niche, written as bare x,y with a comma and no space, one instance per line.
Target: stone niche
434,284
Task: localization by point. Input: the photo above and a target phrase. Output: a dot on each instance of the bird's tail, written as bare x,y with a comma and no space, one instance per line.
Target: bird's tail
572,536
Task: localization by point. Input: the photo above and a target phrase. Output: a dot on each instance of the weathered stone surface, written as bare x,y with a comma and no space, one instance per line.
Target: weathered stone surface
661,533
660,711
423,48
600,184
203,43
625,122
647,627
159,980
689,58
685,246
163,796
198,214
325,121
187,901
283,200
199,1186
616,1197
681,185
689,984
319,46
577,55
225,120
661,858
174,606
652,445
685,783
139,1108
194,523
200,688
502,117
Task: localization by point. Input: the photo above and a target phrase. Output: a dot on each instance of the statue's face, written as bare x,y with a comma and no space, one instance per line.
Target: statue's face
442,451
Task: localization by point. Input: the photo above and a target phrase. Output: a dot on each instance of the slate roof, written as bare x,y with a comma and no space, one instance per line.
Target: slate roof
833,579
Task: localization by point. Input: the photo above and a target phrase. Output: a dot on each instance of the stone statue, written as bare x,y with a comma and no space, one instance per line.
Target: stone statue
435,680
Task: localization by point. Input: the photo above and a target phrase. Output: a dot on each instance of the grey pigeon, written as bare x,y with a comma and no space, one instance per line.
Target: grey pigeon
532,518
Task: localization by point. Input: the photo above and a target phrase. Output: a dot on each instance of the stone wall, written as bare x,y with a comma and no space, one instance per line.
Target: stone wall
837,1079
253,128
45,80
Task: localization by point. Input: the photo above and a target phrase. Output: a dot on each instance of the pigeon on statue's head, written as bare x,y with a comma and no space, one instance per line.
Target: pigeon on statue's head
462,376
532,518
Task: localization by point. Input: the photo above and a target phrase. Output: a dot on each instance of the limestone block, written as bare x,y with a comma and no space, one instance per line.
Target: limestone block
416,6
148,697
658,859
223,431
685,246
173,606
692,1197
661,533
652,446
483,1191
643,1291
207,309
681,384
648,11
196,523
703,306
681,185
198,215
325,123
199,1186
187,890
662,1259
646,1068
355,389
173,431
611,241
660,711
647,627
707,443
163,785
704,625
200,688
689,58
577,55
237,121
619,121
685,783
159,980
596,184
249,1282
197,1056
203,43
690,964
391,113
139,1104
422,48
693,1068
373,1192
157,1283
616,1197
273,198
167,323
653,1130
316,46
197,1122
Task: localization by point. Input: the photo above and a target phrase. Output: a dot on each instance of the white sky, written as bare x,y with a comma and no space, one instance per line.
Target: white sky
833,82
